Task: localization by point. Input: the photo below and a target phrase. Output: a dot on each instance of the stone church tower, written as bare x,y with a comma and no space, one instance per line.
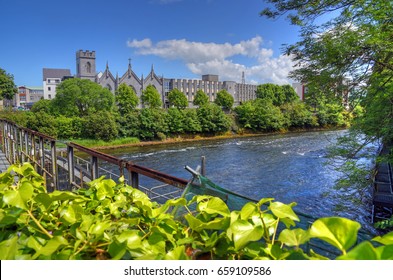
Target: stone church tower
86,65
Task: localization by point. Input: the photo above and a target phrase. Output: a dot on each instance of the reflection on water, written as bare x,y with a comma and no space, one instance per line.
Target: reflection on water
286,167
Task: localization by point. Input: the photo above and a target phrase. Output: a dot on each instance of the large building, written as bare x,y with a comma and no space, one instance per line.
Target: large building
51,79
27,96
210,84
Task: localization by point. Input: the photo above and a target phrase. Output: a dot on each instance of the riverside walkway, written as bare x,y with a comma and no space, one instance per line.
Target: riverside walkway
4,164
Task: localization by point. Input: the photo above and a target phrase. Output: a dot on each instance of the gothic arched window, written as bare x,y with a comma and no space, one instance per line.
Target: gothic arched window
88,67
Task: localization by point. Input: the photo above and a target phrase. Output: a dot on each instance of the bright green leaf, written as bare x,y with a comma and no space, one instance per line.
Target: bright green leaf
243,232
282,210
19,198
387,239
8,248
294,237
363,251
339,232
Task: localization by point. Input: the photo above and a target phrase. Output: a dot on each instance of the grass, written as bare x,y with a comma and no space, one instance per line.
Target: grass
101,143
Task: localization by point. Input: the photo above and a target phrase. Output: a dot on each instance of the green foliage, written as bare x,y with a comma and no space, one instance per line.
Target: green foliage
128,124
126,99
201,98
100,126
175,121
224,99
191,123
42,105
7,86
212,119
69,128
112,220
42,122
177,99
260,115
152,122
77,97
298,115
151,98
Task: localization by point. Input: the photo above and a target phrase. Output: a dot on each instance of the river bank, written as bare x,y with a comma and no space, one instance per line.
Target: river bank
199,138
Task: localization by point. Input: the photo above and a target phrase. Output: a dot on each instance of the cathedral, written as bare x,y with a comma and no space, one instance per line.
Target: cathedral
210,84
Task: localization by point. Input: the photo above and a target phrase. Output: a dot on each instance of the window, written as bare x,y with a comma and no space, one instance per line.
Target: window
88,67
49,89
50,96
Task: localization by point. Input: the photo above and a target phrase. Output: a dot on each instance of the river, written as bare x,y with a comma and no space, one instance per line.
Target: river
288,167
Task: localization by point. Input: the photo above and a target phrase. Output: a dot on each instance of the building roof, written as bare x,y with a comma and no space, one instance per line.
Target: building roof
55,73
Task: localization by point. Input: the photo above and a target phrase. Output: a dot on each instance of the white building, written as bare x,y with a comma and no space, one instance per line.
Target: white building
51,78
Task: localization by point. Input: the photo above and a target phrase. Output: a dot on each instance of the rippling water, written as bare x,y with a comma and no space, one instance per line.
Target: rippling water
289,167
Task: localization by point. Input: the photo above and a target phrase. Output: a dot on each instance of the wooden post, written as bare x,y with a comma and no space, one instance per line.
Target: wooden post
41,154
134,180
71,170
26,135
203,166
94,167
54,164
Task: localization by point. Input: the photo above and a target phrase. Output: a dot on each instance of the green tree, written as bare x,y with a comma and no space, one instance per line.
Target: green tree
271,92
191,121
201,98
224,99
175,120
77,97
177,99
126,99
151,98
289,93
212,119
153,122
100,126
42,105
7,87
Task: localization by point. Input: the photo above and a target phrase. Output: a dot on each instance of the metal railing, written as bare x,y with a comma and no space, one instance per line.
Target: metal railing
20,144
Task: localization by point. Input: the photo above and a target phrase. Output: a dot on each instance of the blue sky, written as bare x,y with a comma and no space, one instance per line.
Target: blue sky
181,38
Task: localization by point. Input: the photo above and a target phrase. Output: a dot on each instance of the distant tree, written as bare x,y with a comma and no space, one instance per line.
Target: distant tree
151,98
177,99
271,92
212,119
224,99
100,126
126,99
77,97
201,98
289,93
7,87
42,105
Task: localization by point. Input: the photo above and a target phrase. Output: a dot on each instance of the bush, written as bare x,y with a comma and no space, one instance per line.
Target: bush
100,126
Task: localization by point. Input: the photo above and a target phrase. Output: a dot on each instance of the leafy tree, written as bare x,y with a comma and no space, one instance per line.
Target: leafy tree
69,128
224,99
201,98
126,99
353,47
177,99
191,121
42,105
271,92
128,124
151,98
152,123
175,120
212,119
100,126
7,87
289,93
260,114
77,97
298,115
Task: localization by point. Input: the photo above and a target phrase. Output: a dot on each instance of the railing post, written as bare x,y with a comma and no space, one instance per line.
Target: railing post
203,166
71,170
134,180
21,157
54,164
42,154
94,167
33,151
26,135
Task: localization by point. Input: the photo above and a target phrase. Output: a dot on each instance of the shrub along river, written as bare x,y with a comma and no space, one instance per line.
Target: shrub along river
288,167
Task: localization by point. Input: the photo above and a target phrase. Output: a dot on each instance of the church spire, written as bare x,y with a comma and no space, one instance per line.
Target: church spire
129,67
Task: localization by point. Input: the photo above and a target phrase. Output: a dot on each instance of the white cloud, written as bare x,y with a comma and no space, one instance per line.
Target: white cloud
202,58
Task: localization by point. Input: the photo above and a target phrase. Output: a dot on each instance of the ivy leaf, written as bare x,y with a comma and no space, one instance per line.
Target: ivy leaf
8,248
281,210
44,199
72,214
363,251
116,250
387,239
242,232
248,210
178,253
198,225
51,246
105,189
214,205
19,198
339,232
132,239
99,227
294,237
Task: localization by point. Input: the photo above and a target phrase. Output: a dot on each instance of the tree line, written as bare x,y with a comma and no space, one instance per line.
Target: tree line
84,109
